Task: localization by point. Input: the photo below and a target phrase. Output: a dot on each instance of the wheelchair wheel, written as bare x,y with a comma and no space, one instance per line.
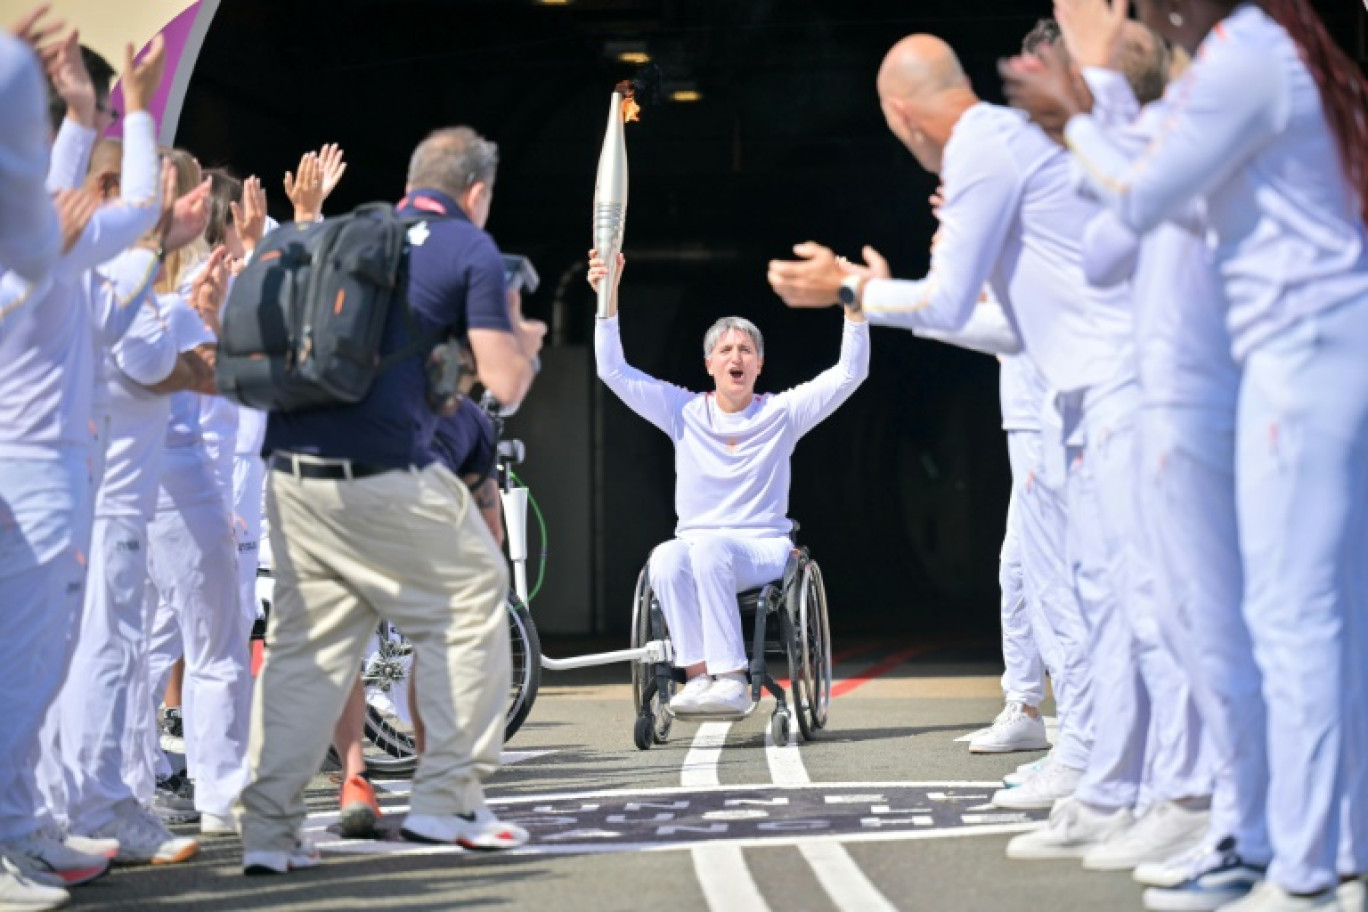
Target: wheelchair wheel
812,635
526,647
385,674
648,624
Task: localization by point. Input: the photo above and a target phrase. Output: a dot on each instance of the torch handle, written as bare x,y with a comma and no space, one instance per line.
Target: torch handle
609,222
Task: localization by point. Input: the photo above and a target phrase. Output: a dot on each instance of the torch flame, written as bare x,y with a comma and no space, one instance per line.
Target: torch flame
630,109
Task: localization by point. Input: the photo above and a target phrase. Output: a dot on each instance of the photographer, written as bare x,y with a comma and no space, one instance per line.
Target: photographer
366,523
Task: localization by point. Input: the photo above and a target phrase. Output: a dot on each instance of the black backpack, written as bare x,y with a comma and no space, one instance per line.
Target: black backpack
303,323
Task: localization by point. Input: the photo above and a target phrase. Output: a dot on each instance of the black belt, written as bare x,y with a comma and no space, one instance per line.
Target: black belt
339,470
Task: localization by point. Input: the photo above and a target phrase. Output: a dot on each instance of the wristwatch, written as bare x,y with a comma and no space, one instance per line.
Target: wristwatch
851,293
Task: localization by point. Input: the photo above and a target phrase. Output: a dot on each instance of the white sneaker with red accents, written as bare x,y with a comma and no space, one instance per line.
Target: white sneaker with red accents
20,892
42,853
481,830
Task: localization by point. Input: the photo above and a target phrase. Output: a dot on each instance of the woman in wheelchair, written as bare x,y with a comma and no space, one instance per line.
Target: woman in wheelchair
732,453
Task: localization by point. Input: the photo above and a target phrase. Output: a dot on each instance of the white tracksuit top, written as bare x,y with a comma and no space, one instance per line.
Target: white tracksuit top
30,237
732,471
1247,134
1011,219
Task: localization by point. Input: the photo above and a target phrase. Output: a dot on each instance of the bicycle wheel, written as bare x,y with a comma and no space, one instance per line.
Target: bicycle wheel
526,649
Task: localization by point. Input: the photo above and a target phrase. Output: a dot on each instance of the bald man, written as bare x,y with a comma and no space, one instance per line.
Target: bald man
1012,219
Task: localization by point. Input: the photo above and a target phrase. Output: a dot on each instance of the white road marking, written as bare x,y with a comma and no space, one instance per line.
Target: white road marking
700,763
850,890
725,879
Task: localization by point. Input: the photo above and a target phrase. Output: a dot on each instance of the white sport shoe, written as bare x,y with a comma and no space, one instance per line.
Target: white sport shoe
1202,879
18,892
1012,730
1027,771
143,838
1167,829
42,853
218,824
726,695
1353,895
1269,897
1053,782
303,855
686,700
107,848
1074,828
480,830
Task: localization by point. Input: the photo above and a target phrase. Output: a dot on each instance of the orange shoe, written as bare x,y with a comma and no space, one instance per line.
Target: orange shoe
360,810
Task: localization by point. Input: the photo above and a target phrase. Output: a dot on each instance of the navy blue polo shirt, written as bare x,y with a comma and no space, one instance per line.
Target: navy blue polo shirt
464,442
456,280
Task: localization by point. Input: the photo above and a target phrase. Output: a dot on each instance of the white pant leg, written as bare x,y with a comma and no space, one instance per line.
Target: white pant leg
1023,676
94,705
723,566
671,574
1302,445
44,540
142,754
1050,590
1189,454
249,485
1354,819
193,563
165,648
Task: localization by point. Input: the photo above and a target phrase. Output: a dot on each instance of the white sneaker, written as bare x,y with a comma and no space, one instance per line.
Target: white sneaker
42,853
1353,895
1269,897
1027,771
480,830
726,695
1012,730
1167,829
107,848
1053,782
144,839
18,892
303,855
218,825
1074,828
686,700
1200,880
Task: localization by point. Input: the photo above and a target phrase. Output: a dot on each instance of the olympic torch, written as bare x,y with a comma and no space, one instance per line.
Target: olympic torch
610,194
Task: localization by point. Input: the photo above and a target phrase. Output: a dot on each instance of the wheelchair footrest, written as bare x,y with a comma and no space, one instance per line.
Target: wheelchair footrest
711,716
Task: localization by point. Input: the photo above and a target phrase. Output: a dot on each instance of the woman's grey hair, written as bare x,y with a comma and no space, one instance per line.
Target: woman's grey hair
452,159
741,324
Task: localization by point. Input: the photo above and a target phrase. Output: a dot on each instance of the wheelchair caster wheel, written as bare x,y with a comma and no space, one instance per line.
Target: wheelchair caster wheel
779,727
643,733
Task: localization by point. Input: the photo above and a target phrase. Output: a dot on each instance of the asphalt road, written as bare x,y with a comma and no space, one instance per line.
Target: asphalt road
884,811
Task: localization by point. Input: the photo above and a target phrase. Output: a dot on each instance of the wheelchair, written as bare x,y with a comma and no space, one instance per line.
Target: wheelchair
786,618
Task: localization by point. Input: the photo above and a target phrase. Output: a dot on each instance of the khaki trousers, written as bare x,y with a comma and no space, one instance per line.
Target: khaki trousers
406,546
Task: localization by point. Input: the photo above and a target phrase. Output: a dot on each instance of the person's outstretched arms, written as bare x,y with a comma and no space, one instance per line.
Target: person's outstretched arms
655,400
810,403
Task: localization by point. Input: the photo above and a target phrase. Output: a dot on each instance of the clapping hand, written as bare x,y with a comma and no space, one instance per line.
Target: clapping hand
70,78
874,267
813,280
37,34
314,181
250,216
211,287
142,79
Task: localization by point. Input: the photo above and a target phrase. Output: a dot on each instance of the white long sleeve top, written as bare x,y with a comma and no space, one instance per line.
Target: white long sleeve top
1182,345
1011,219
30,236
1246,134
732,471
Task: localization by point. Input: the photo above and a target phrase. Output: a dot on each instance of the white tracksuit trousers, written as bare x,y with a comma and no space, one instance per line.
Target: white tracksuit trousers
697,579
1023,658
1133,670
1301,475
1042,519
192,562
249,491
44,540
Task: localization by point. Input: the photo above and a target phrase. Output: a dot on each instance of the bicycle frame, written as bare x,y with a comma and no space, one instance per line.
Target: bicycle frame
514,498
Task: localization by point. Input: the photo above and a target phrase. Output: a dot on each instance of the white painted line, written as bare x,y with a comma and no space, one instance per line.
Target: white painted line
738,787
725,879
700,763
842,878
374,847
785,763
